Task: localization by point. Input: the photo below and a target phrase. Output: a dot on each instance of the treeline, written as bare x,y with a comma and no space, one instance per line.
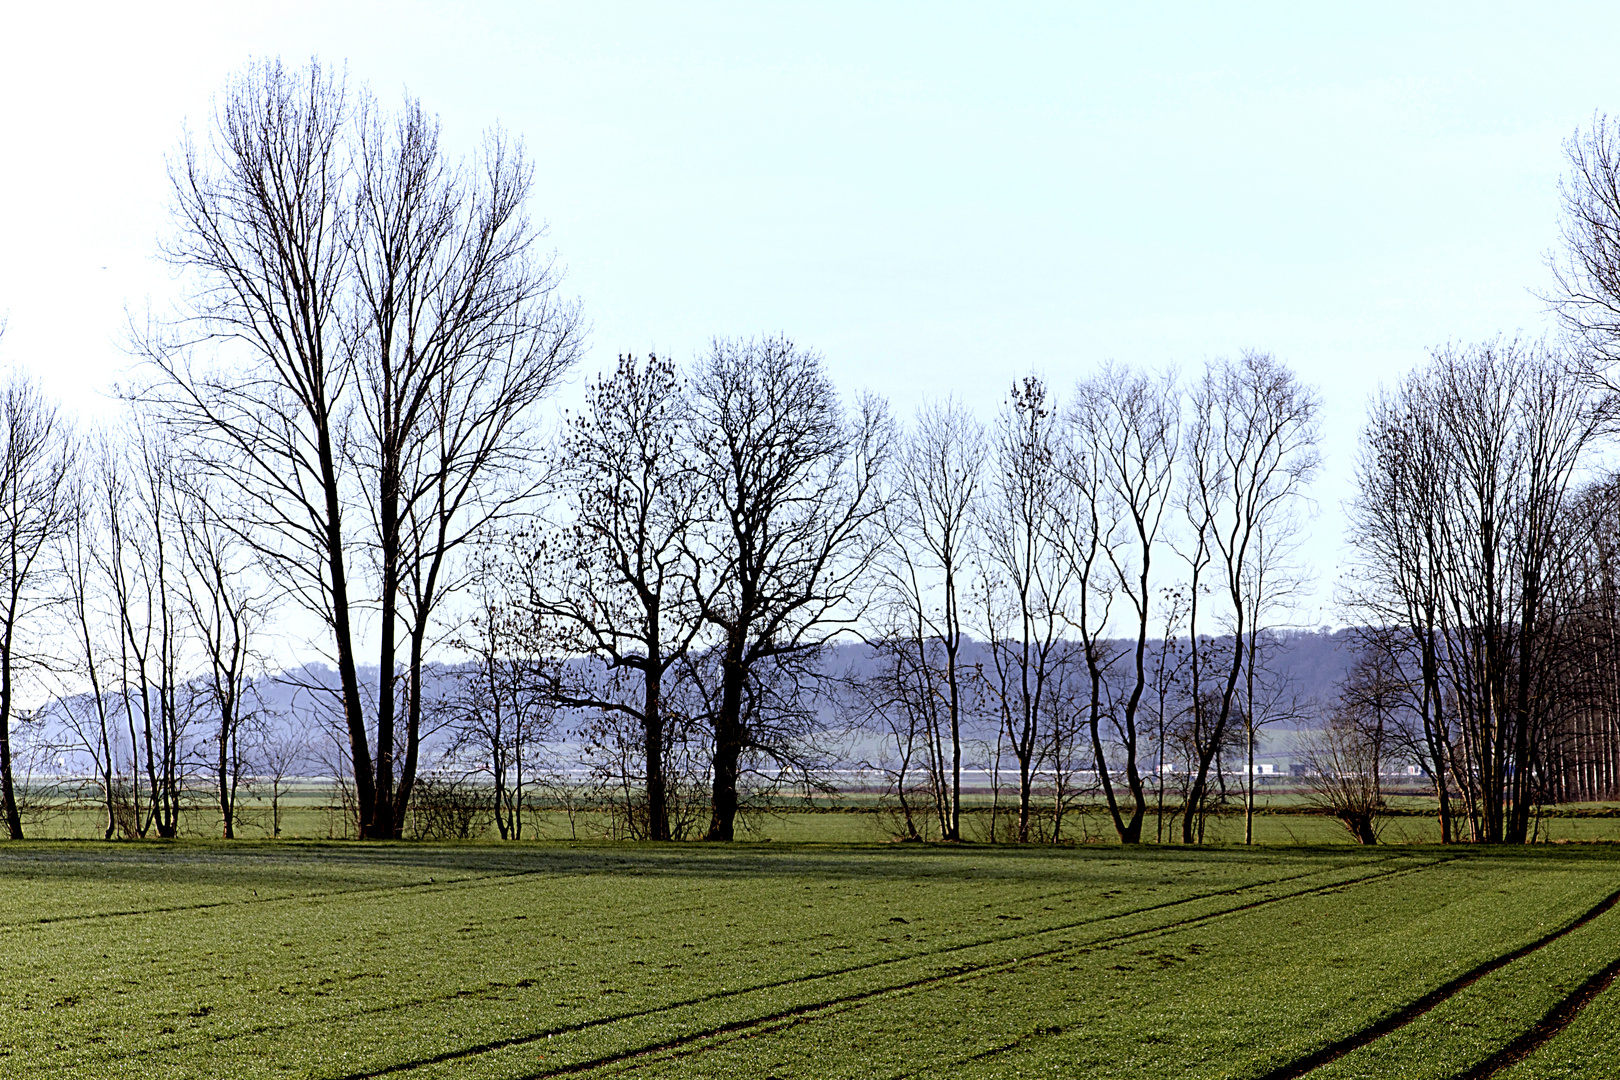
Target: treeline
1485,566
335,441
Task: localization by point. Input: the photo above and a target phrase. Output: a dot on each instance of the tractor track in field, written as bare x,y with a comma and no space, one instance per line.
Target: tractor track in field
1405,1015
684,1044
498,879
720,995
1551,1024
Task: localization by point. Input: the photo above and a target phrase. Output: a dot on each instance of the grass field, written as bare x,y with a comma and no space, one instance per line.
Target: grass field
198,959
1284,817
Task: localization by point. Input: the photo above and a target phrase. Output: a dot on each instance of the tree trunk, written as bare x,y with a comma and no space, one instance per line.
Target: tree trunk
653,730
8,790
225,807
728,746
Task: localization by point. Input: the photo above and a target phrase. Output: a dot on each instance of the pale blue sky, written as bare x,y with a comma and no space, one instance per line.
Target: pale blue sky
937,197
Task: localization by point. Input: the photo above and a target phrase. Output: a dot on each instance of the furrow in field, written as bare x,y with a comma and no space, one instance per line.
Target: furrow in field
1009,938
1408,1013
806,1011
697,1042
1556,1019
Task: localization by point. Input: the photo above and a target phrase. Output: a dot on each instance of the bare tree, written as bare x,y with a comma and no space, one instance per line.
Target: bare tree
1027,579
1396,533
1165,684
793,484
899,702
36,510
461,333
227,605
279,755
614,581
143,569
1586,272
369,330
1343,759
1271,583
933,519
1514,425
1125,435
86,695
1250,454
504,703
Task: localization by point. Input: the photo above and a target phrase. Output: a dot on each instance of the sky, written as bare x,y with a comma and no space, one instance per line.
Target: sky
938,198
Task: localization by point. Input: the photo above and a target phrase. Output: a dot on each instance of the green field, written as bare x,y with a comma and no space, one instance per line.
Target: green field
1283,817
321,959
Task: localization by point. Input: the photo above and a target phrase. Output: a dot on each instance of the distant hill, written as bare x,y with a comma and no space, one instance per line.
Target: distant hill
1310,663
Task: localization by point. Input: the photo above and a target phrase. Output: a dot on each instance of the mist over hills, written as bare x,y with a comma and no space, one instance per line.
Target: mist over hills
301,703
1307,664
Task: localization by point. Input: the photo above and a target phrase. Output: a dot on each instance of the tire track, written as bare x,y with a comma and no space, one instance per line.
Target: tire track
1405,1015
814,1010
1556,1019
683,1046
923,955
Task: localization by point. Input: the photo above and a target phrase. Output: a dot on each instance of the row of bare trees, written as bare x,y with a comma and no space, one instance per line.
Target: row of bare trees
128,636
1469,537
341,423
717,528
1484,527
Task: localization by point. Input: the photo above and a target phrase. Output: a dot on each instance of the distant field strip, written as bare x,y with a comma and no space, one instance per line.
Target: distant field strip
507,961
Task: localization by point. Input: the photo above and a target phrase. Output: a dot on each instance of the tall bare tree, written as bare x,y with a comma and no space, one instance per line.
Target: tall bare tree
793,483
1027,581
1125,437
144,571
1586,271
1395,583
36,510
87,697
460,333
1515,426
1249,456
933,518
369,329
